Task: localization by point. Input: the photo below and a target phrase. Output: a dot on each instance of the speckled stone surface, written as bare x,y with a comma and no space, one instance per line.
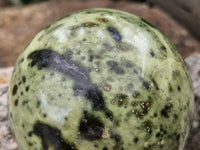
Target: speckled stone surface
100,79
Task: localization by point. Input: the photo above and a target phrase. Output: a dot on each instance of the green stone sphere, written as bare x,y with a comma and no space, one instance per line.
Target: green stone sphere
100,79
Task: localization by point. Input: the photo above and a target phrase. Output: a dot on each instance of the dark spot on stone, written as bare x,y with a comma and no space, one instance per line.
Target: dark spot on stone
166,110
38,103
145,83
44,115
136,94
22,125
43,77
135,71
115,67
95,145
170,88
136,139
96,98
91,128
175,116
163,48
22,93
121,99
178,137
105,148
148,125
152,53
91,58
66,118
115,34
116,137
24,103
155,84
109,114
27,88
14,91
179,88
11,115
158,134
51,136
30,134
23,79
155,115
16,102
30,144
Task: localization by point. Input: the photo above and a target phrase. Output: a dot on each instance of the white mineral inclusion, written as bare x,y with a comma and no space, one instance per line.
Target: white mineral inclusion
52,110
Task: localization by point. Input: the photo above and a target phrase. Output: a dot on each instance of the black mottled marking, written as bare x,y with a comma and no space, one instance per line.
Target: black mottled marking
91,58
179,88
30,133
27,88
49,59
115,34
152,53
170,88
51,136
145,83
23,79
16,102
14,91
105,148
148,125
175,116
91,128
95,97
155,84
136,139
38,103
24,103
116,137
11,115
164,112
115,67
109,114
163,48
136,94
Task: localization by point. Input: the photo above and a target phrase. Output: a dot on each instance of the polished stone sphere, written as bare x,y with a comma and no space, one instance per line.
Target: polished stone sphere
100,79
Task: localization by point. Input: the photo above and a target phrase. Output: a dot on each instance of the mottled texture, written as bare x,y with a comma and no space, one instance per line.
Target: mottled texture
100,79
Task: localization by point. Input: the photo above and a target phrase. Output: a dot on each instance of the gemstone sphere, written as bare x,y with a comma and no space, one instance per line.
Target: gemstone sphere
100,79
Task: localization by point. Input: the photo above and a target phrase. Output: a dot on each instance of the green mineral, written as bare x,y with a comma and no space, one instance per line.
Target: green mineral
100,79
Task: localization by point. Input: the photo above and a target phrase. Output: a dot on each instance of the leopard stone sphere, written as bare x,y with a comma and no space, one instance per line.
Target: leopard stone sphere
100,79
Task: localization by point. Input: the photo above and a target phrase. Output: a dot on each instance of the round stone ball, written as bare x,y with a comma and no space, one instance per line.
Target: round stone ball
100,79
